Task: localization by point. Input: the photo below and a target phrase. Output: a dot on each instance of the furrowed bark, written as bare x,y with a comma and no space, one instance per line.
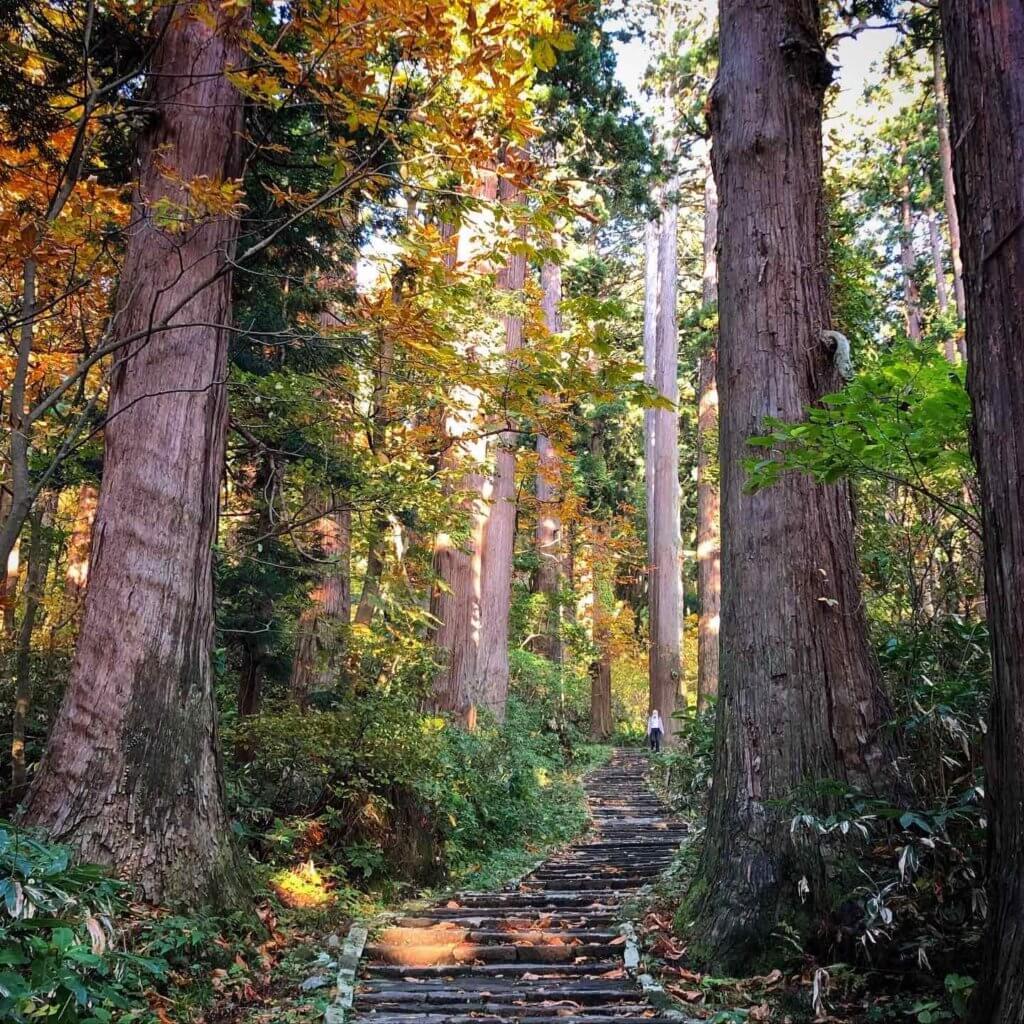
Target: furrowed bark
800,697
131,775
985,54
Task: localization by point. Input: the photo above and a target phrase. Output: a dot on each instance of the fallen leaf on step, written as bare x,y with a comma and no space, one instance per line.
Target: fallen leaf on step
619,940
618,972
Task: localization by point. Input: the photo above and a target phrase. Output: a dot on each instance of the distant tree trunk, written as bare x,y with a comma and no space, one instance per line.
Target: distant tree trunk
569,565
948,186
255,645
938,262
652,282
549,525
985,52
908,261
131,776
319,642
455,600
9,593
941,292
800,697
492,675
663,543
79,547
709,571
601,724
40,524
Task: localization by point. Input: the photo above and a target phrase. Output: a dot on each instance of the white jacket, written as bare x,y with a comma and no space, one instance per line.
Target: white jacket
654,722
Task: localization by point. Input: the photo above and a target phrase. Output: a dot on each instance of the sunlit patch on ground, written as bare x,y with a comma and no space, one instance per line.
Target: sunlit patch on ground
302,887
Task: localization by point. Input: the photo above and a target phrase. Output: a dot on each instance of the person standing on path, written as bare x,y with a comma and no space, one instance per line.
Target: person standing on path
655,730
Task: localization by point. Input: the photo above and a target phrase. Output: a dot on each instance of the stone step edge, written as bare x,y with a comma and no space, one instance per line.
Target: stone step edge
348,967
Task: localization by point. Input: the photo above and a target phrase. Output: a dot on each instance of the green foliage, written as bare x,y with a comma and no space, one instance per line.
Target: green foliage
58,955
902,419
388,793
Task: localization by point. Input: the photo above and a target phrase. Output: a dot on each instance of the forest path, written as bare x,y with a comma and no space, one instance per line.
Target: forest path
546,949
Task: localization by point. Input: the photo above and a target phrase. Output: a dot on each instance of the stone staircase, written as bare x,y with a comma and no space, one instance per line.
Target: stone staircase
551,947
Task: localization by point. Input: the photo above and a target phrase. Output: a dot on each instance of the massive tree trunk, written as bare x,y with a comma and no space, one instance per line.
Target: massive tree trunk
492,673
131,776
985,51
709,571
663,542
549,524
800,697
948,186
319,641
39,545
455,600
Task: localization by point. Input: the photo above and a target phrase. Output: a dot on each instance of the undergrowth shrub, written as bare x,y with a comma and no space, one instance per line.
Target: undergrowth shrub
60,954
384,793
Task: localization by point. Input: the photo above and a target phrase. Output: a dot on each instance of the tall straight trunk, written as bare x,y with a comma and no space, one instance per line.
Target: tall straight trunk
941,292
985,52
601,724
264,483
131,776
664,541
800,696
938,262
948,185
76,574
709,554
492,674
652,281
548,537
455,600
908,262
319,641
39,544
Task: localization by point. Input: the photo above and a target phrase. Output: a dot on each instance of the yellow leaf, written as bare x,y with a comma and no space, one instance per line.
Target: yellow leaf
564,40
544,55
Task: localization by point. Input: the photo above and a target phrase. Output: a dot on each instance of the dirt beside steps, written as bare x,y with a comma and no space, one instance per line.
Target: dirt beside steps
548,949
